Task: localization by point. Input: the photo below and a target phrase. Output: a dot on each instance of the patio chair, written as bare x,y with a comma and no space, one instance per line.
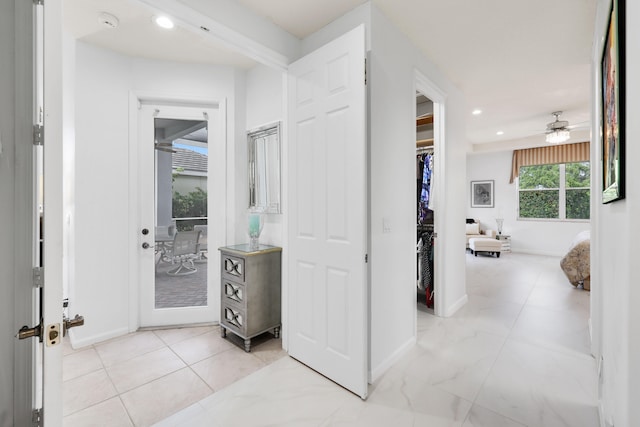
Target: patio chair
183,251
202,243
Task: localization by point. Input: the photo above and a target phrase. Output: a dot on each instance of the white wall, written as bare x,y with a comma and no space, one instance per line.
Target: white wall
528,236
101,289
265,104
104,81
615,294
392,107
394,61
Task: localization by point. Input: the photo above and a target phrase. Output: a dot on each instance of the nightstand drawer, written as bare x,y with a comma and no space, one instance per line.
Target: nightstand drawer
234,319
234,293
233,268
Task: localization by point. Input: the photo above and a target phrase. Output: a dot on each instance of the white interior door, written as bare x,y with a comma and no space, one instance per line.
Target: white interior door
327,274
181,182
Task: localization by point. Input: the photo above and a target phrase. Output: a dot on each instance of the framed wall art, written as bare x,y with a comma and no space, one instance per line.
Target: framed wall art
482,194
613,110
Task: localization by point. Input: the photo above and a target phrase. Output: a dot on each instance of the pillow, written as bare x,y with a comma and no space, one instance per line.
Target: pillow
473,228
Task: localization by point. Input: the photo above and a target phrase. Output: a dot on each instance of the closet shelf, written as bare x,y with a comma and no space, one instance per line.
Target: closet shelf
424,143
424,120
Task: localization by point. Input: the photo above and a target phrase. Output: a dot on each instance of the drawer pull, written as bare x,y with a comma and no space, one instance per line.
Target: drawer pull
233,292
233,267
232,317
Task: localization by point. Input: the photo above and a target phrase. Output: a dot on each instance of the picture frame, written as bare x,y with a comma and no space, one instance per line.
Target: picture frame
482,194
612,118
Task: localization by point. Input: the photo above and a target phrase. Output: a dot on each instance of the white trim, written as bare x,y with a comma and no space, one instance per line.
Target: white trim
94,339
451,310
536,252
376,373
136,100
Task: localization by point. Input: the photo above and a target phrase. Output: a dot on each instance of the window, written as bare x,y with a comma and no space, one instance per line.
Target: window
558,191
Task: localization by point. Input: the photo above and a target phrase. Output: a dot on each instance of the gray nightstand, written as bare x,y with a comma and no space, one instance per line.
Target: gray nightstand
250,291
506,242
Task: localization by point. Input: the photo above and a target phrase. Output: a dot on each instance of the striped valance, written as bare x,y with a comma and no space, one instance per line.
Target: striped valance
552,154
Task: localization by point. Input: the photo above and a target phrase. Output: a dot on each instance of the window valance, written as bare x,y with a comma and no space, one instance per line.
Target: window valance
564,153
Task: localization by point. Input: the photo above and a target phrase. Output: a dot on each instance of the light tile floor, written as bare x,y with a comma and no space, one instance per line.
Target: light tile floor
515,355
142,378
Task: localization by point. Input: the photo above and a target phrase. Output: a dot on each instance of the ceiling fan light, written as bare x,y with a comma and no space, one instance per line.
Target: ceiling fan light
558,136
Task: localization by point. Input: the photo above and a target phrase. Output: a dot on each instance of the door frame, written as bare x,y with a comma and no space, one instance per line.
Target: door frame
428,88
136,100
26,355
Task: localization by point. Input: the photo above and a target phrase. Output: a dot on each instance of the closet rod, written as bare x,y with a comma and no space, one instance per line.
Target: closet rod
422,150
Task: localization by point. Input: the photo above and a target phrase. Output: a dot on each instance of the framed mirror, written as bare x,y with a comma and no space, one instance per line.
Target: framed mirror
264,168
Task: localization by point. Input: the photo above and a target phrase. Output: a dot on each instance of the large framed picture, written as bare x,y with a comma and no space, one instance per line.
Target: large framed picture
613,109
482,194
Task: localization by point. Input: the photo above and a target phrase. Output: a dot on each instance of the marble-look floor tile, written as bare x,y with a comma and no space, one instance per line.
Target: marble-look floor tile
488,315
127,347
225,368
192,416
453,358
200,347
566,331
85,391
163,397
143,369
175,335
482,417
539,387
500,290
284,393
407,387
566,298
79,363
110,413
360,414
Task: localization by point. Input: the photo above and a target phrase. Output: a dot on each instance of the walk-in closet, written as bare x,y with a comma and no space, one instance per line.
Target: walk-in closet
425,237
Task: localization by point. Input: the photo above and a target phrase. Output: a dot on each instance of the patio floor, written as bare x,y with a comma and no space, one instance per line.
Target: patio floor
181,291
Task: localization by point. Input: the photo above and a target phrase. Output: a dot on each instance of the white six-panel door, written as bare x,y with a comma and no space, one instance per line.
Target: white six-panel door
327,212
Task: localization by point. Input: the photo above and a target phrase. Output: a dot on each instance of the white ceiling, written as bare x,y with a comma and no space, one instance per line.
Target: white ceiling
516,60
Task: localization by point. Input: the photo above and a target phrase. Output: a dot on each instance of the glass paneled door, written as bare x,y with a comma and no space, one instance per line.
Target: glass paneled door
177,271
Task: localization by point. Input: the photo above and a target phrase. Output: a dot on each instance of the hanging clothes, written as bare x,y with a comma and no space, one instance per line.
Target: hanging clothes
430,204
424,215
425,260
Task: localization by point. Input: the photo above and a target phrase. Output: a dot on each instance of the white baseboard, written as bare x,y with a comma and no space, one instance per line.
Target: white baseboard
377,372
94,339
451,310
537,252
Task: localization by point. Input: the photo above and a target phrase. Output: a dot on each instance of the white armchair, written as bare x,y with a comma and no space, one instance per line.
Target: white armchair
473,231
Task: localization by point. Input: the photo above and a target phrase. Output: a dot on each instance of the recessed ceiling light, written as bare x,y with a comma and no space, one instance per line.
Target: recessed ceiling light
164,22
500,132
476,112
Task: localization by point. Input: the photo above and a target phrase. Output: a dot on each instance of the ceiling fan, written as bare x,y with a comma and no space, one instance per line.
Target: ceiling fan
557,131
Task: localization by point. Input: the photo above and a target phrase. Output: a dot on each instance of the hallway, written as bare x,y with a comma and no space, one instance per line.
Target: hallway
516,355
